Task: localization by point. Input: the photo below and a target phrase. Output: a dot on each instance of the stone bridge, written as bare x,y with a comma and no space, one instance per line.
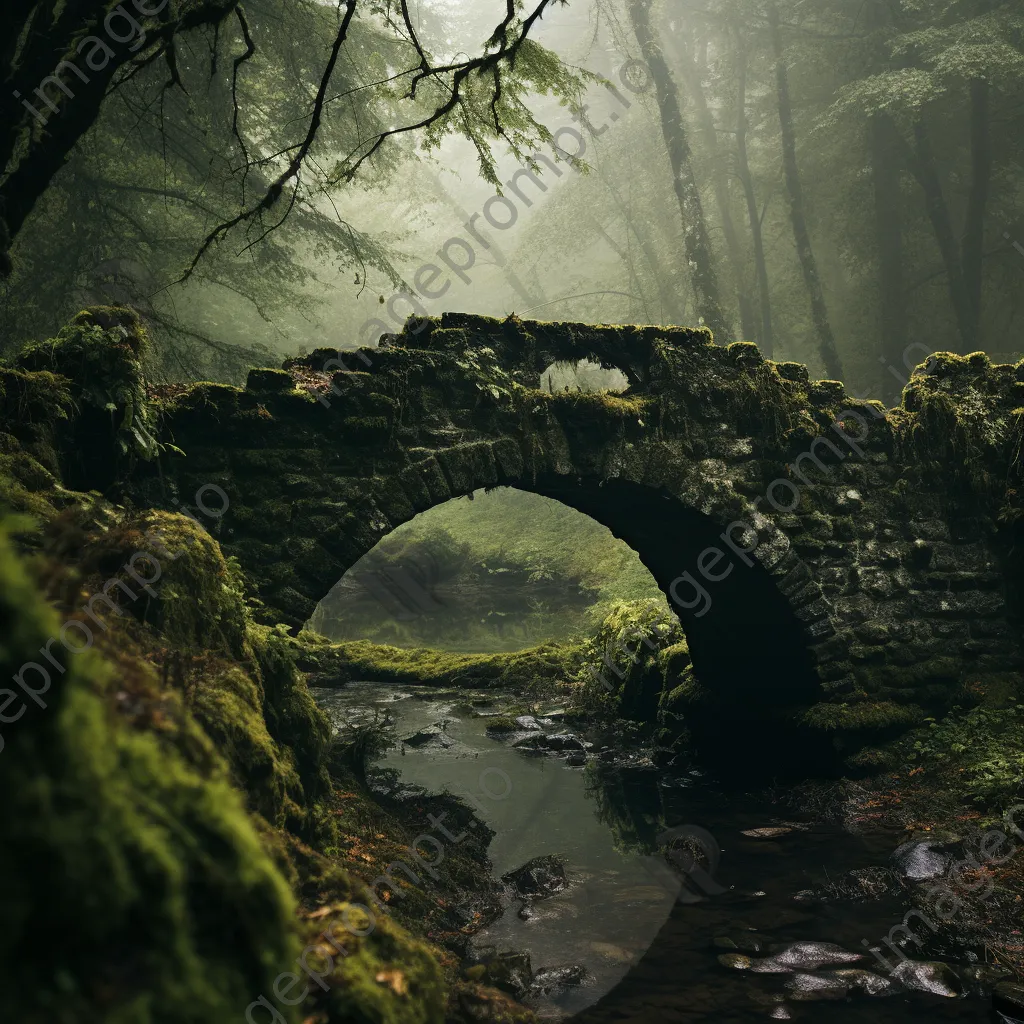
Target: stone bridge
842,571
855,567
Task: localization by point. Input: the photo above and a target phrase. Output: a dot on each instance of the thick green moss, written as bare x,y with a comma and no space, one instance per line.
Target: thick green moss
101,351
339,663
194,598
872,715
958,421
168,907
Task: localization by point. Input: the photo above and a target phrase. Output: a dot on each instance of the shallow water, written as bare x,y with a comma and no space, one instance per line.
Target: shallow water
647,942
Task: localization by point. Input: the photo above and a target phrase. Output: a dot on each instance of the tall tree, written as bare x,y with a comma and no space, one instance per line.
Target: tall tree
693,73
696,238
766,336
892,316
798,213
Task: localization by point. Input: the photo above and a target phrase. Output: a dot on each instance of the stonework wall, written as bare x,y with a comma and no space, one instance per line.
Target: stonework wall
891,537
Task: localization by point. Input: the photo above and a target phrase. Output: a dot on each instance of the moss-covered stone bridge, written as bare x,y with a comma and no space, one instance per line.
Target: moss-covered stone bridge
857,567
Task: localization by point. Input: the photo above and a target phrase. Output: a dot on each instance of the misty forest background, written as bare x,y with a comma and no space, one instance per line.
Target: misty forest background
838,180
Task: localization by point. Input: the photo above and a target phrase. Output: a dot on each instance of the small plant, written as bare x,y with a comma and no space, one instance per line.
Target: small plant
983,749
357,747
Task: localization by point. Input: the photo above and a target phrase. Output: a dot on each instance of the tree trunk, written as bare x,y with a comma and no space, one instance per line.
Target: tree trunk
766,339
973,242
926,172
801,234
691,73
892,297
696,240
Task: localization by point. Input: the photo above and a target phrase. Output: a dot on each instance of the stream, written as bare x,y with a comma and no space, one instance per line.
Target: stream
650,944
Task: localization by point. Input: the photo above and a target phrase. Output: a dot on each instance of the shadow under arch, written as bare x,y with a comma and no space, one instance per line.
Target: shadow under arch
751,654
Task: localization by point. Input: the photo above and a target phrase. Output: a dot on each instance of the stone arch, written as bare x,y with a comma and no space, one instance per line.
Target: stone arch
753,634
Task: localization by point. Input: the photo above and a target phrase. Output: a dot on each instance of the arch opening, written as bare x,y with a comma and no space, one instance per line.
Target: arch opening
493,571
751,659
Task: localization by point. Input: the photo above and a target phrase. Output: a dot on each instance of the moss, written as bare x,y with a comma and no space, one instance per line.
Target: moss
101,351
272,381
338,663
941,669
957,423
169,907
674,660
228,704
195,598
827,392
745,354
601,404
867,715
293,714
502,724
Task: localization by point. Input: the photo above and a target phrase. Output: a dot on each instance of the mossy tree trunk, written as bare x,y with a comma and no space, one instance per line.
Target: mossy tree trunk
798,214
696,239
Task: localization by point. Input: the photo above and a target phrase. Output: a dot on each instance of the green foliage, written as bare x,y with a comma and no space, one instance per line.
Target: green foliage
871,715
625,664
502,571
502,723
536,669
979,752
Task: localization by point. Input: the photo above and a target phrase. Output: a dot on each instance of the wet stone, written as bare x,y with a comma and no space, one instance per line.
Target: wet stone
1008,1000
511,973
565,741
935,978
869,983
549,978
827,985
434,735
809,955
528,722
538,878
924,859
